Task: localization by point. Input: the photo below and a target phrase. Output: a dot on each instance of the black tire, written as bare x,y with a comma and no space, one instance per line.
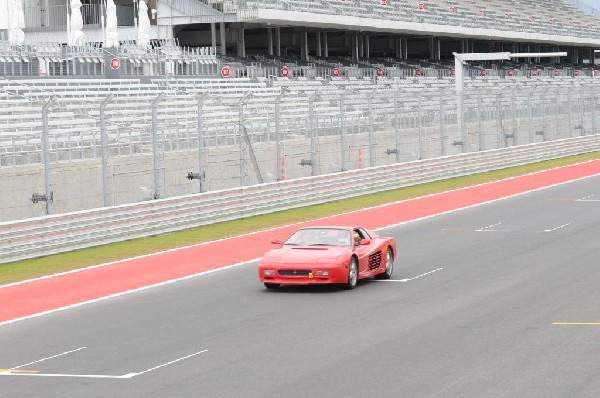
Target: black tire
389,265
272,286
352,274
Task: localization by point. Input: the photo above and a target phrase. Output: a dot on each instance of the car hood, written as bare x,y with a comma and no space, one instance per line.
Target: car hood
288,255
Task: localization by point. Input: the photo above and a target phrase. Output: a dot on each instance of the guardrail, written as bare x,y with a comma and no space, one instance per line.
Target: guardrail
48,235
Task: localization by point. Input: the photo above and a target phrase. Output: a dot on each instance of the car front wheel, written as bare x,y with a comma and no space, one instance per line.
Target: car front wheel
352,274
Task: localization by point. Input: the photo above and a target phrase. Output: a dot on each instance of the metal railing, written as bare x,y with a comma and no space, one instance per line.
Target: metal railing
55,234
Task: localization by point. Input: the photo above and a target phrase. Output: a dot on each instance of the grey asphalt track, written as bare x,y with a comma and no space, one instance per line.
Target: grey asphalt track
481,325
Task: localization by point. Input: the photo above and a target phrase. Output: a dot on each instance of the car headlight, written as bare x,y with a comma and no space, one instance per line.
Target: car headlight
268,272
321,273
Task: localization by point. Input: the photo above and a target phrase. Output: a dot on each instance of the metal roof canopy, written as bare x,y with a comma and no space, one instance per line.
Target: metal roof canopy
460,61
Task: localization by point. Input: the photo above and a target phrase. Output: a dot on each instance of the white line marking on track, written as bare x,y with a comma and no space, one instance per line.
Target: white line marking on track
587,199
488,228
125,376
410,279
557,228
65,375
166,364
52,357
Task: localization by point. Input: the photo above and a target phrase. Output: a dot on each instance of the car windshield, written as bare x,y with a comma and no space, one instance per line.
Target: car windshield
320,237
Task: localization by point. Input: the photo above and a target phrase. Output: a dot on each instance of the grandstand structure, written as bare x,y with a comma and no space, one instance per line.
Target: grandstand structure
232,93
187,35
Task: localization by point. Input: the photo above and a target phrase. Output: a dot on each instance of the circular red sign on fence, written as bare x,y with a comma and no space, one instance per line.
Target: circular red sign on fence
452,72
115,63
335,72
379,72
418,72
284,72
225,71
555,72
510,72
576,73
483,72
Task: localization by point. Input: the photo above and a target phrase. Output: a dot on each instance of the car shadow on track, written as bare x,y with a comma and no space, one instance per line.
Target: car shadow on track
320,289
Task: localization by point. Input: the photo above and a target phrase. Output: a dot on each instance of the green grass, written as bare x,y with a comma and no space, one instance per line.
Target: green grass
27,269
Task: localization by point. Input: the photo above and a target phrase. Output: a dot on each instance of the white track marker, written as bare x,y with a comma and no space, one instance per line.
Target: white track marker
165,364
489,228
126,376
410,279
557,228
587,199
52,357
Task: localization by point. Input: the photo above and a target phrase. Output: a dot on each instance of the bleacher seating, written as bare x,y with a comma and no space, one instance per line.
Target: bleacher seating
548,17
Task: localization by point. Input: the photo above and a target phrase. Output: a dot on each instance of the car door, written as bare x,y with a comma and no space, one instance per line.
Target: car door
362,251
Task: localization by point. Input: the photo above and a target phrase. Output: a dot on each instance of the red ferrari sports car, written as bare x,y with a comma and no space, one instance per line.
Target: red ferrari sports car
326,255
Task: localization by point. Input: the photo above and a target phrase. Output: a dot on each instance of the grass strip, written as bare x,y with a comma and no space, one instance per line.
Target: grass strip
38,267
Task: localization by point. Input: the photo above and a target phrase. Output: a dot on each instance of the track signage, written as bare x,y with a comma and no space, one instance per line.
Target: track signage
284,72
335,72
225,71
115,63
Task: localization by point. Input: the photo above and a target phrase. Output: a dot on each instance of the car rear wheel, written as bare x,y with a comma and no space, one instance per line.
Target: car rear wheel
389,265
352,274
272,286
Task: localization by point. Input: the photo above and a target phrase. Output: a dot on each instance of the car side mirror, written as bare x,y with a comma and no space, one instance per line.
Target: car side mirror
276,241
364,242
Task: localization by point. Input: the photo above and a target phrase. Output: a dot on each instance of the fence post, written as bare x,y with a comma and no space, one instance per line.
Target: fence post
515,140
201,159
499,123
420,116
372,155
545,130
569,96
557,134
278,156
531,125
154,133
343,131
442,125
46,153
481,144
593,96
104,149
243,146
313,133
397,126
582,95
460,113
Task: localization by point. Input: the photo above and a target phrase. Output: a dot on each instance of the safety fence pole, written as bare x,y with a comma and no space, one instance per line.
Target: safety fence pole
46,153
200,132
104,150
155,154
